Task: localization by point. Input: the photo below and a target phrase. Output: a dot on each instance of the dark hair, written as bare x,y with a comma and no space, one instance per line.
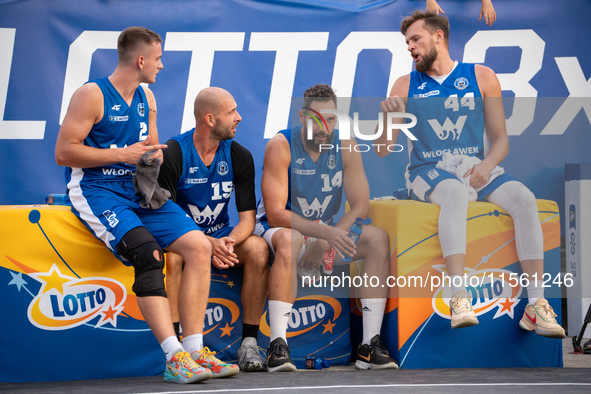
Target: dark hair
319,92
433,22
132,38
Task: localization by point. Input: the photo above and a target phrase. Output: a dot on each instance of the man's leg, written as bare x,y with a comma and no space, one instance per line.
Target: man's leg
174,274
374,247
140,248
195,250
452,197
253,254
286,244
519,202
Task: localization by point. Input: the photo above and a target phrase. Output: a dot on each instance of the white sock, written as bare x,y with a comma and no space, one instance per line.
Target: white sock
193,343
373,314
279,313
535,291
170,346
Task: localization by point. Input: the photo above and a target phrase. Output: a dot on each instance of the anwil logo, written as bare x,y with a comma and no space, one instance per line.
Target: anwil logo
65,302
488,288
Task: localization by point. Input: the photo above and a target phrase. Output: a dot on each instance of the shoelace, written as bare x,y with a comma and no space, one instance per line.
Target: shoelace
548,313
182,358
461,304
380,346
209,355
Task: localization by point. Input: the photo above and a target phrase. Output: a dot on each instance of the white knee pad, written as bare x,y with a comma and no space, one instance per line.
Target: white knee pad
520,203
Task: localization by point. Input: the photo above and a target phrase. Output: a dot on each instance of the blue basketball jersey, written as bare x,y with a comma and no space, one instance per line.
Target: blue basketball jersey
122,125
449,115
315,188
202,192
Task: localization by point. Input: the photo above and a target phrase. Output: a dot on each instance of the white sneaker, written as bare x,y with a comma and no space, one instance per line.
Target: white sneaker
460,308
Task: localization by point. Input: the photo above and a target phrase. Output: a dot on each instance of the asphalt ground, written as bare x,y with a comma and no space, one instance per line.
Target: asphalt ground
574,377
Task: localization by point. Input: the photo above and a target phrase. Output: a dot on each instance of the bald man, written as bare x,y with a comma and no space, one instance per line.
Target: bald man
201,169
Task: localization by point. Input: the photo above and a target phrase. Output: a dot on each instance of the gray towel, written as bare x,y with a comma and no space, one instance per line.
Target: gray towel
145,182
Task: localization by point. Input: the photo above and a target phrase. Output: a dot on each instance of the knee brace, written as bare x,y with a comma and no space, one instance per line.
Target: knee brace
138,246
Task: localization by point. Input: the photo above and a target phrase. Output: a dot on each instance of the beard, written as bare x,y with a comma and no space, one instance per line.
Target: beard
427,60
221,133
313,144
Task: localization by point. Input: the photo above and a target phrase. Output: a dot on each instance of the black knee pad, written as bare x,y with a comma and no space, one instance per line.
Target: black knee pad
138,246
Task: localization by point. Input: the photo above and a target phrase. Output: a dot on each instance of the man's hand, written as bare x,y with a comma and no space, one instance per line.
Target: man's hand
393,104
339,240
222,252
479,175
314,254
133,153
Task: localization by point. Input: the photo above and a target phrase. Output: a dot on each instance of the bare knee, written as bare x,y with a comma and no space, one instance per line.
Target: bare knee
285,241
256,251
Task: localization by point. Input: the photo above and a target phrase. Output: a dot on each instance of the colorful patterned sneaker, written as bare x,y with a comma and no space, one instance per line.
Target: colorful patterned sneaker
278,359
219,369
541,319
182,369
374,356
460,308
249,358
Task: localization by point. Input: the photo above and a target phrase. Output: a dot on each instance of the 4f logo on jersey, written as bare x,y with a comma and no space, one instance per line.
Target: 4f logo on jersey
300,161
422,86
193,170
116,107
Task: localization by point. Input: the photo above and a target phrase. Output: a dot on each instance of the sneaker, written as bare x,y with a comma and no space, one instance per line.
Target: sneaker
374,356
219,369
182,369
278,359
541,319
249,358
460,308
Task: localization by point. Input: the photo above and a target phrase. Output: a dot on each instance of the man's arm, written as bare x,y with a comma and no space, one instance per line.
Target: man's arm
153,129
275,189
85,110
396,102
494,122
355,184
171,169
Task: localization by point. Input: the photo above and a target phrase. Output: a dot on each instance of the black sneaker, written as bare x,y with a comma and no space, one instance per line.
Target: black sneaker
374,356
278,359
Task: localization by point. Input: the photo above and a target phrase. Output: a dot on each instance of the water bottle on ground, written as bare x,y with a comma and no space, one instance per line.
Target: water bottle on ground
310,362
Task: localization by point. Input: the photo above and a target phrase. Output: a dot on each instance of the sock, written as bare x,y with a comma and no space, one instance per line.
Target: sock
170,346
193,343
535,291
279,313
373,314
250,330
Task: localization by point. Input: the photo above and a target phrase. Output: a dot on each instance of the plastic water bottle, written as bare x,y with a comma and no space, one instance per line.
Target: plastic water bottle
355,232
310,362
58,199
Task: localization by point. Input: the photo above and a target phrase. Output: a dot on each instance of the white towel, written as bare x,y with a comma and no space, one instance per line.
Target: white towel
458,165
